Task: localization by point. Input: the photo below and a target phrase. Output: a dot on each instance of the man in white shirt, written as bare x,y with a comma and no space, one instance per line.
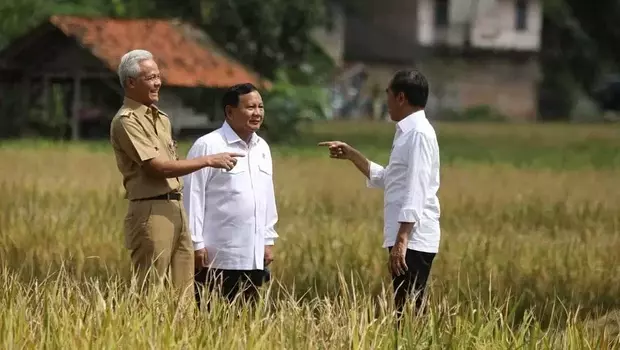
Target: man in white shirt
232,213
410,183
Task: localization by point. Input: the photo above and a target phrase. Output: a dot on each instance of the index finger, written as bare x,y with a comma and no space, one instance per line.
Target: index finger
326,143
236,154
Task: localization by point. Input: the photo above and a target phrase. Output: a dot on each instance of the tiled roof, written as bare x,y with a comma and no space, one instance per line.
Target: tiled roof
181,60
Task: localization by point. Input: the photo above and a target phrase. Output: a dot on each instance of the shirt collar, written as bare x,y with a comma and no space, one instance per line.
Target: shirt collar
141,109
409,122
232,137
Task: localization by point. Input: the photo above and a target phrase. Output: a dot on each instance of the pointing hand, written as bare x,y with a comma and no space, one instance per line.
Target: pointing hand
337,149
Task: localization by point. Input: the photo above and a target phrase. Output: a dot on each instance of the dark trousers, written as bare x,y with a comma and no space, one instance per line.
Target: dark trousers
230,283
413,283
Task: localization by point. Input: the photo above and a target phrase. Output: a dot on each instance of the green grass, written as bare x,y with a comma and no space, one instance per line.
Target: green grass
551,146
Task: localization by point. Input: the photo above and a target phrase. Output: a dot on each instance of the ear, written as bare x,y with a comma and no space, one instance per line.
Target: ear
227,112
130,82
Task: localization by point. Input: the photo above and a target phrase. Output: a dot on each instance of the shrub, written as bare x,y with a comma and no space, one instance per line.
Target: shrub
288,105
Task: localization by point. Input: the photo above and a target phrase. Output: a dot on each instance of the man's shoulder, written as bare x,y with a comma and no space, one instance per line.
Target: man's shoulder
262,142
424,129
164,116
215,137
123,111
122,116
161,112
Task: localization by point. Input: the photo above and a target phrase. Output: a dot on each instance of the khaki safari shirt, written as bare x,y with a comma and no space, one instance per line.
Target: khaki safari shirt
139,133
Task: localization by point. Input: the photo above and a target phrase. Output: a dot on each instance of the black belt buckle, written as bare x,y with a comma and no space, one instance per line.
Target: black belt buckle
174,196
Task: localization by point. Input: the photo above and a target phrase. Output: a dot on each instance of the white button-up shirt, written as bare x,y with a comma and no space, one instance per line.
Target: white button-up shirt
411,182
232,213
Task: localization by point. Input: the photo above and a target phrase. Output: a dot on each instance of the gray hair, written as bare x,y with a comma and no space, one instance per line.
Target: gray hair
129,66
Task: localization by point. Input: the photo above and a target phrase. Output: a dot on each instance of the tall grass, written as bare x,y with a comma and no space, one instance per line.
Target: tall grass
528,256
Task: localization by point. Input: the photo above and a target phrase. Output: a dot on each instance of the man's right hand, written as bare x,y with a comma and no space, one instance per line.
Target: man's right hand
226,160
200,259
338,149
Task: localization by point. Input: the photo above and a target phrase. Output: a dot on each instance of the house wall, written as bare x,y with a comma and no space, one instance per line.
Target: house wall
459,83
400,34
500,81
510,87
492,25
495,28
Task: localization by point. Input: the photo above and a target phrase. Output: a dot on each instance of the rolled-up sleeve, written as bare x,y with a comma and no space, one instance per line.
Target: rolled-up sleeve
194,197
418,178
376,176
271,211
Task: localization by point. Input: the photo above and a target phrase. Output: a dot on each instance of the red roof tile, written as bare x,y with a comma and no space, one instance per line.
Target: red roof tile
182,61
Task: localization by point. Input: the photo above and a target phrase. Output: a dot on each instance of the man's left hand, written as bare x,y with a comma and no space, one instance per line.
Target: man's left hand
268,254
397,262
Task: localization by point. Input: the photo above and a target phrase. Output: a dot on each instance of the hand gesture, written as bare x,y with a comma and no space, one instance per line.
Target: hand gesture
226,160
338,149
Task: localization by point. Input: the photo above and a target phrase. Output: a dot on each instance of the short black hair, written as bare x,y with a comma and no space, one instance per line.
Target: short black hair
231,96
413,85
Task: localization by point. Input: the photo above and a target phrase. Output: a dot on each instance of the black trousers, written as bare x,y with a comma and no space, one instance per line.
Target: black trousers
412,284
230,283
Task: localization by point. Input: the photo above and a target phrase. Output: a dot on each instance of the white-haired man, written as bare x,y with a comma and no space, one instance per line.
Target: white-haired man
156,232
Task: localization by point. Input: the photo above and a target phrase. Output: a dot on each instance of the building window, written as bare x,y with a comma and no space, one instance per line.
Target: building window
441,13
521,15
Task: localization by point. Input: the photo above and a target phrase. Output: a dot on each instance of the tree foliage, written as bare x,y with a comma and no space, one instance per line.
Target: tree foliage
268,35
578,49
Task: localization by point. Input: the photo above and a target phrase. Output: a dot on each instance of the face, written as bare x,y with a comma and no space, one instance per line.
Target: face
248,116
145,87
395,103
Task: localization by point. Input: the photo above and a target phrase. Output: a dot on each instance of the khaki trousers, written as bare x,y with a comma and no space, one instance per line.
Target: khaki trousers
158,238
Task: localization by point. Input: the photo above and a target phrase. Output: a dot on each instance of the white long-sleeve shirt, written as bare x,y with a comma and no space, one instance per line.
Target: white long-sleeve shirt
410,182
232,213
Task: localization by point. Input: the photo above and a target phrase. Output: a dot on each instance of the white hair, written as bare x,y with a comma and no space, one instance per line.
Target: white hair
129,66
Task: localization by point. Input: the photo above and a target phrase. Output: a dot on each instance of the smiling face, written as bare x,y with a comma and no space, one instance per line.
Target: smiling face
247,117
145,87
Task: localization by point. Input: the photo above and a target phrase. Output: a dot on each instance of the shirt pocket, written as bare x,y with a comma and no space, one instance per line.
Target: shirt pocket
235,181
239,168
168,145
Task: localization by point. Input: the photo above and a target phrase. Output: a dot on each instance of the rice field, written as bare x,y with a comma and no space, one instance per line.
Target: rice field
529,254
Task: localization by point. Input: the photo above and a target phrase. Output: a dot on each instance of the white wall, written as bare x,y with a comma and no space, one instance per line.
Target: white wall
425,22
494,27
493,24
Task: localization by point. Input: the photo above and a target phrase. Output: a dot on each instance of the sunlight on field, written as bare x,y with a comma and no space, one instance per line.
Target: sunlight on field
529,255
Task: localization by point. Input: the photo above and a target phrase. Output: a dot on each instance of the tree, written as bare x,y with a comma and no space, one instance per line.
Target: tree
267,35
578,49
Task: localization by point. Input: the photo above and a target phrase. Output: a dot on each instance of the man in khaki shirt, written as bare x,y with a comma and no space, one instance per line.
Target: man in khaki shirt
156,230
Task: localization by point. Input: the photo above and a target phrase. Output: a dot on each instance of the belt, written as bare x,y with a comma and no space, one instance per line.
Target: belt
172,196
